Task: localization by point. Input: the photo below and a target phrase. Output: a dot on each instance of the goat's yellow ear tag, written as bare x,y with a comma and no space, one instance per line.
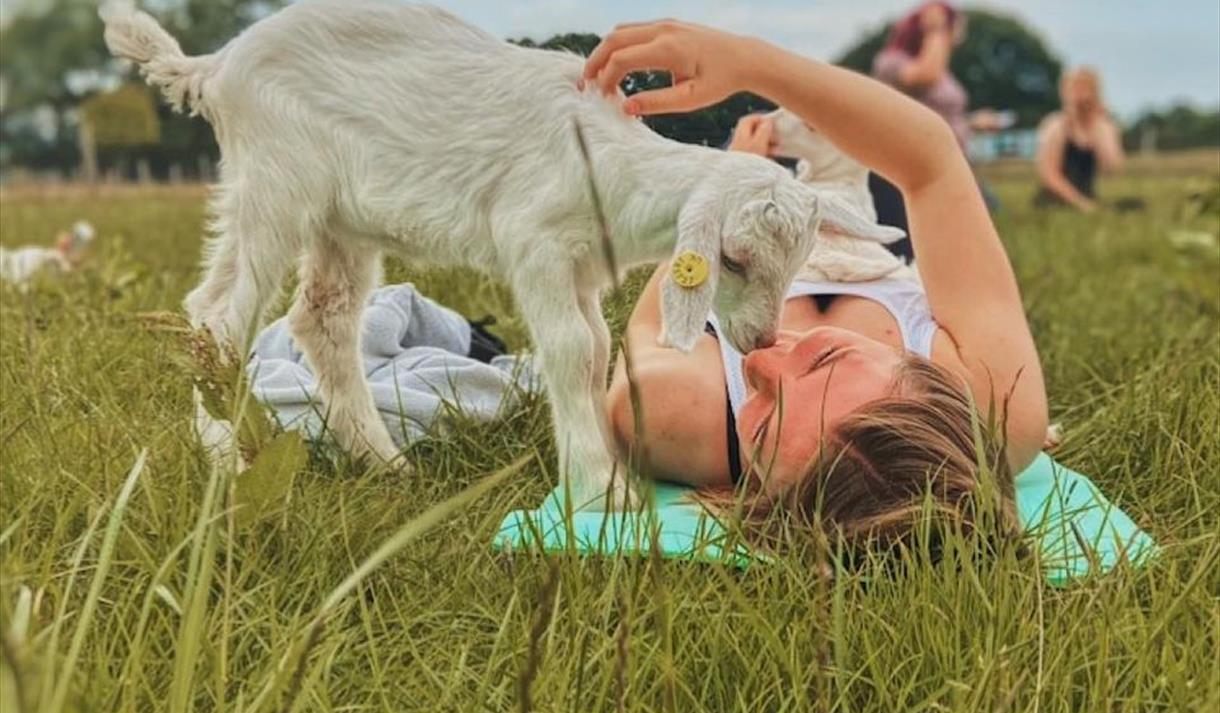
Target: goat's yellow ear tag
689,269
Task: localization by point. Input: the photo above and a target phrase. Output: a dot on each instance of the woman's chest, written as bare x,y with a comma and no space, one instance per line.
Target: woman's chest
860,315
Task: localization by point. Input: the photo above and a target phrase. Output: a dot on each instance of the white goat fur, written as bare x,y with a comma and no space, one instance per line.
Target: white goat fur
352,127
835,257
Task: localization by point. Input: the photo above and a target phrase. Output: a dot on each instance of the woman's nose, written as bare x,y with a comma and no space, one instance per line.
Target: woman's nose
762,370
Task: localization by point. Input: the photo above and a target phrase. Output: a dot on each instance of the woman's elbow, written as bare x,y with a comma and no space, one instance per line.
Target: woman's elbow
1027,430
620,412
937,156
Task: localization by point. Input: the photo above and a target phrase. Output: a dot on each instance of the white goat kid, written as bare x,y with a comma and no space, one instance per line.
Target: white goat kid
835,257
21,265
352,127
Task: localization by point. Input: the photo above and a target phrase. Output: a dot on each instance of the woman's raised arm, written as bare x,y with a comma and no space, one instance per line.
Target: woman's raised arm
933,59
970,283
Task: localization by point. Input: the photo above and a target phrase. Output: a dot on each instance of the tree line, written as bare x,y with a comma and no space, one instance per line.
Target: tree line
56,78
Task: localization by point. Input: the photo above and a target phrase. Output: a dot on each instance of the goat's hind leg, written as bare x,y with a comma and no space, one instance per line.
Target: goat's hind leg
325,319
243,273
244,266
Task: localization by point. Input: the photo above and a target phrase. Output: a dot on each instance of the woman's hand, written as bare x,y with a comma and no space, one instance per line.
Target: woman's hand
934,18
753,134
707,65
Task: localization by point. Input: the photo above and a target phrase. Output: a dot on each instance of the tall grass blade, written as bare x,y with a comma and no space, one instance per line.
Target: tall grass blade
292,668
104,558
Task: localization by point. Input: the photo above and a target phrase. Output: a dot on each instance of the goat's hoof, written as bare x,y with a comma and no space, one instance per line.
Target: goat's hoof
394,462
384,455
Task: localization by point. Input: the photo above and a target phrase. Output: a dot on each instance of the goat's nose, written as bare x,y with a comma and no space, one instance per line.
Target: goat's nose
765,341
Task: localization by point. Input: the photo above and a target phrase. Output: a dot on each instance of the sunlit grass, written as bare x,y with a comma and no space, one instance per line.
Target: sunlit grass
125,585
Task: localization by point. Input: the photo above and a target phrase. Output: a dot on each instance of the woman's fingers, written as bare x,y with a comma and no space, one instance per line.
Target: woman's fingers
621,37
706,65
765,130
753,134
681,97
748,124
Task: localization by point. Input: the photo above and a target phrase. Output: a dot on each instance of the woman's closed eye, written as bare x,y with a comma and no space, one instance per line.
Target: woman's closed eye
823,358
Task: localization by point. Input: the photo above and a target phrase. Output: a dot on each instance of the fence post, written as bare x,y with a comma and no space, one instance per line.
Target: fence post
88,151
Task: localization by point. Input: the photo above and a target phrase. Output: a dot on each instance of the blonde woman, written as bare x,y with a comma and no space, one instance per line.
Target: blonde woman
1075,143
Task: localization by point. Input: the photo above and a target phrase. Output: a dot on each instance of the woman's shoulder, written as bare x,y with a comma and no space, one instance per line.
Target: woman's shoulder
1051,122
682,400
671,369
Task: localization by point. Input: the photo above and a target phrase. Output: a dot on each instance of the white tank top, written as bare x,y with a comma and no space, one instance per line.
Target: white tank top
904,299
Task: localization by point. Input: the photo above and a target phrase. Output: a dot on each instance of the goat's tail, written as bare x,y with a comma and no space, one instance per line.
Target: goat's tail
134,35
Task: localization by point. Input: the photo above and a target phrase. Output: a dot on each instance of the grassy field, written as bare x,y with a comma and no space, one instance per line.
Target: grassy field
126,585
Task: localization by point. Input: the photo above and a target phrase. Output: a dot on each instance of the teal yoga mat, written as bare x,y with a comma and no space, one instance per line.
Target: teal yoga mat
1077,530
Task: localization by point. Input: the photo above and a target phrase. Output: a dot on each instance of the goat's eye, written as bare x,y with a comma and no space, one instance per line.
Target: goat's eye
732,265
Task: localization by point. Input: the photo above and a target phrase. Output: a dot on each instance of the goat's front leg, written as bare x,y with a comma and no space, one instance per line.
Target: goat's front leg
568,348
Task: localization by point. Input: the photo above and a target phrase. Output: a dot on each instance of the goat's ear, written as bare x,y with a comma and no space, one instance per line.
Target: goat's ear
770,220
689,288
845,219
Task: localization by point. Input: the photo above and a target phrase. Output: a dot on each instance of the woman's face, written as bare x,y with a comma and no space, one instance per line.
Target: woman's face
803,386
1079,94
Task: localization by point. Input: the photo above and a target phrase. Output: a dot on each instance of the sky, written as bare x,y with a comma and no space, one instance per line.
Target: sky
1150,53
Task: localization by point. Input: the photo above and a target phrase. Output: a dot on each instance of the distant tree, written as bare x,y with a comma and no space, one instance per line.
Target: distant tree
53,57
123,118
50,59
1179,127
48,55
581,43
121,122
1001,63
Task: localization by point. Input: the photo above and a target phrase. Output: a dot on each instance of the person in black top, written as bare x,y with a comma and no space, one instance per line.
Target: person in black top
1075,143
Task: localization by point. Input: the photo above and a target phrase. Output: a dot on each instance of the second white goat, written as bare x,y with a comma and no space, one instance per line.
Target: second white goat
835,257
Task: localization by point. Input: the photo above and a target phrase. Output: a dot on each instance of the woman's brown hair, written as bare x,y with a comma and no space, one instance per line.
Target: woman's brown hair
917,456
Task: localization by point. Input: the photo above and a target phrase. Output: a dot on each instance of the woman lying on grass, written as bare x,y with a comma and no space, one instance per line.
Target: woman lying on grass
865,404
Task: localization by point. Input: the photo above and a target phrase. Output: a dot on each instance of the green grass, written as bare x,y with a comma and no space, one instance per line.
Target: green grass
125,584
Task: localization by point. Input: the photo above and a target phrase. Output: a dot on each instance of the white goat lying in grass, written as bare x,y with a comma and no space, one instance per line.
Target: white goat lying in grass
349,128
20,265
835,257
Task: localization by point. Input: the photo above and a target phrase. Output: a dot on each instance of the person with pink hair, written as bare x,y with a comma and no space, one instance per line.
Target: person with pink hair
915,61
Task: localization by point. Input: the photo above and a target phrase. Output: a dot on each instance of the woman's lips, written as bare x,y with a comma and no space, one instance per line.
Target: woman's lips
761,431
